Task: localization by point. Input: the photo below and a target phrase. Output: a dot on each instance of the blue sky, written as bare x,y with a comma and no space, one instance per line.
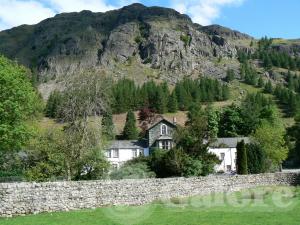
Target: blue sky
274,18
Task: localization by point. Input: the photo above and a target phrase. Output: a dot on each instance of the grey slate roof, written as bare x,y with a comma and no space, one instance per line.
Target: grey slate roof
127,144
229,142
161,120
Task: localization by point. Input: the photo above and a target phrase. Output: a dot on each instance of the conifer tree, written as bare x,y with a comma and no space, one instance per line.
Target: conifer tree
130,131
108,126
53,104
172,103
229,75
49,109
161,101
268,87
225,93
260,82
242,72
241,161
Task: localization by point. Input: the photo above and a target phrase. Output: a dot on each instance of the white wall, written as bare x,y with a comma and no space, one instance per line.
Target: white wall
229,159
125,155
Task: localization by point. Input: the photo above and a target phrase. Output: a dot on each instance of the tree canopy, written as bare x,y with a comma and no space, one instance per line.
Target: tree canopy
19,101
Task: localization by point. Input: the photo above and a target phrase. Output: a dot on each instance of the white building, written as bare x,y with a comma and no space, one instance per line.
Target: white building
124,150
225,149
160,135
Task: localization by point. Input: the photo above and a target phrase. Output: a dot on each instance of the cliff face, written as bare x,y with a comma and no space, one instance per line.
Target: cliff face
137,41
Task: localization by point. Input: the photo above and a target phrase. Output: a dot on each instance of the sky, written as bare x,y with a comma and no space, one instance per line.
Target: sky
258,18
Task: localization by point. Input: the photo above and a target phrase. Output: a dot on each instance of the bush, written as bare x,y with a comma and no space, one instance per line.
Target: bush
132,171
186,39
156,162
192,167
176,163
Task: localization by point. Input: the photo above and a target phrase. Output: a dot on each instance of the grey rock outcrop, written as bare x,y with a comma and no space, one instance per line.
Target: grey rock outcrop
160,39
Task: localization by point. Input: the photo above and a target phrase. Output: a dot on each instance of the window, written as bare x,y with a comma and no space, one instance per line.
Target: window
134,153
163,129
228,167
222,156
165,145
112,153
108,154
115,153
137,152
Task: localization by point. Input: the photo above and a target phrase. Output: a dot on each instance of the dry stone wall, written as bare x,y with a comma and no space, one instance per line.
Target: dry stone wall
32,198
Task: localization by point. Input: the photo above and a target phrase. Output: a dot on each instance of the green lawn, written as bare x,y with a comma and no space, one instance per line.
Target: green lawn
262,206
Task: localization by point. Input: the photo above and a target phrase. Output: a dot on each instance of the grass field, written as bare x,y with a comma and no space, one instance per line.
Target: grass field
261,206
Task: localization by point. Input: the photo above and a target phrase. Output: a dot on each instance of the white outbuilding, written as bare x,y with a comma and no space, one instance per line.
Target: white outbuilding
225,149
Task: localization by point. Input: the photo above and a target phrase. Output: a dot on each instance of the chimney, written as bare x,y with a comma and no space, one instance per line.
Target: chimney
174,120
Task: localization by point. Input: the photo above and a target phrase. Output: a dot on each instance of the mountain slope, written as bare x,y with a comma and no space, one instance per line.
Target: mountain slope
134,41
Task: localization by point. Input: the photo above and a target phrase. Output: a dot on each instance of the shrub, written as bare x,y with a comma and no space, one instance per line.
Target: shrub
132,171
186,39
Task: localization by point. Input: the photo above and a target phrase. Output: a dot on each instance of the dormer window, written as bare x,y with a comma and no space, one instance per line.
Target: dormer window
163,129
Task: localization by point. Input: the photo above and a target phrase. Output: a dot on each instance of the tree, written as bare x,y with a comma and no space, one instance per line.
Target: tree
271,139
18,102
269,87
156,162
260,82
248,73
231,122
146,115
241,161
256,159
130,131
172,103
66,154
267,61
190,91
81,100
190,139
229,75
125,96
86,97
53,103
108,125
44,162
254,109
175,162
161,101
293,142
213,117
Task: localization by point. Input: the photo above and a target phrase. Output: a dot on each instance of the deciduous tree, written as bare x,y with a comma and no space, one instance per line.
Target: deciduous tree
271,139
18,103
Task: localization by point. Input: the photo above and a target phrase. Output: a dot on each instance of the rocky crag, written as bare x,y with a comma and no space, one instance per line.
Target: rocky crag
135,41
